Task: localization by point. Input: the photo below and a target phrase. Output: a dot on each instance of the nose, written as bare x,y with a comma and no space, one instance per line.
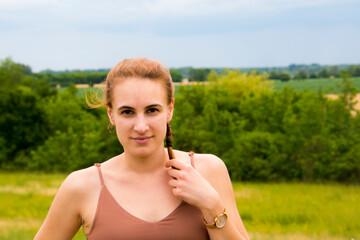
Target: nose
141,125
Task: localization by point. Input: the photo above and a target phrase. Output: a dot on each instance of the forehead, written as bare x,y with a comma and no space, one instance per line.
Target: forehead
135,91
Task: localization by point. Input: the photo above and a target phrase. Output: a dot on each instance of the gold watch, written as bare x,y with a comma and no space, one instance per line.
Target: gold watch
219,222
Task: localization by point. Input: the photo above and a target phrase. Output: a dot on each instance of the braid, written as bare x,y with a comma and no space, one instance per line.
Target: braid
168,141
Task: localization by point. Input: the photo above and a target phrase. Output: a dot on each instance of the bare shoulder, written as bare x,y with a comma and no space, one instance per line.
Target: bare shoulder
67,209
80,182
209,161
210,166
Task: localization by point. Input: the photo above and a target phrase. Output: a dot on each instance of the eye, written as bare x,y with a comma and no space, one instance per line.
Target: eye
127,112
152,110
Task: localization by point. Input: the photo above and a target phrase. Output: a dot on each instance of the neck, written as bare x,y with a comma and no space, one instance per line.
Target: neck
148,164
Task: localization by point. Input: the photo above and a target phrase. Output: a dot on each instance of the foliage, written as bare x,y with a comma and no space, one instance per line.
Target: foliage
66,78
95,76
354,70
270,135
324,73
23,123
11,73
45,130
262,134
176,75
198,74
302,74
240,84
78,137
284,76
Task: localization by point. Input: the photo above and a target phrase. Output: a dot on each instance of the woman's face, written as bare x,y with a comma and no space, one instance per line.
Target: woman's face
140,112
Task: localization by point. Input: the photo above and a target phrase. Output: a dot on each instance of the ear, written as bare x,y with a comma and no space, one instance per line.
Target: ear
170,110
110,114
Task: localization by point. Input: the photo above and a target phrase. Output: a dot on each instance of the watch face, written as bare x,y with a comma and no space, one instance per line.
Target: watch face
220,221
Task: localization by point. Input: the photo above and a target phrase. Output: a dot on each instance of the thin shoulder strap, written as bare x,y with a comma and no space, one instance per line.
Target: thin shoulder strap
192,159
98,165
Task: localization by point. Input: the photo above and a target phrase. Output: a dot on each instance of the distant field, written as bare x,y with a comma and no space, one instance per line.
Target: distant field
326,84
269,211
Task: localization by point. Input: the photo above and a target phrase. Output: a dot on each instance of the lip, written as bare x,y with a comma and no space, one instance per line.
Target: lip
141,140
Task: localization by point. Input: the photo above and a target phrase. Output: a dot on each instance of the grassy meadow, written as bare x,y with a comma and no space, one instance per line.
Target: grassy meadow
269,210
328,85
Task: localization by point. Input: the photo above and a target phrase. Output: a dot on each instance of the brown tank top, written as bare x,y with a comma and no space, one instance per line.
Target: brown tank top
113,222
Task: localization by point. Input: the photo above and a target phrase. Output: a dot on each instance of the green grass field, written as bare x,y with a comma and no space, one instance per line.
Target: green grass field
269,210
326,84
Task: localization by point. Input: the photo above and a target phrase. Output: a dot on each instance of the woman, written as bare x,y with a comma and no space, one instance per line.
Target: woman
147,192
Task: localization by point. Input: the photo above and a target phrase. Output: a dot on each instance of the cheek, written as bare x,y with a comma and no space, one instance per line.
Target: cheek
122,126
159,124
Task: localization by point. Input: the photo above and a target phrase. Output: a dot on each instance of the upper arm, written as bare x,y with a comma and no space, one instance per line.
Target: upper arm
63,219
215,172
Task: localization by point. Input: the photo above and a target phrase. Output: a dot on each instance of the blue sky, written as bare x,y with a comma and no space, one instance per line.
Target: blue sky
79,34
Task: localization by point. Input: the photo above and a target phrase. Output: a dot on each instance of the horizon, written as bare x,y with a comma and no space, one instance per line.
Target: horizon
265,67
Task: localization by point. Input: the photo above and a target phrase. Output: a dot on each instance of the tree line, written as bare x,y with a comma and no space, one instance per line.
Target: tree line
293,71
260,133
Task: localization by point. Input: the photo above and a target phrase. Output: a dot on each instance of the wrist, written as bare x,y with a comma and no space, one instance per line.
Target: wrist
219,221
212,209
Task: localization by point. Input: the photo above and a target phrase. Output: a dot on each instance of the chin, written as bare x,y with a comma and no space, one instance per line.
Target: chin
142,154
145,151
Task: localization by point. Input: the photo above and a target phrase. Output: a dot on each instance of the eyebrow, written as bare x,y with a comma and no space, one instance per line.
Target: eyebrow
131,108
124,107
154,105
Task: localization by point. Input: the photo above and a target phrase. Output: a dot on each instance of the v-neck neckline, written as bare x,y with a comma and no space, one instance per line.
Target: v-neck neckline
138,218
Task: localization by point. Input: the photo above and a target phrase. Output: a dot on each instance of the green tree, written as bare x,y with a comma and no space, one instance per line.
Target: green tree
334,71
198,74
23,122
274,75
302,74
284,76
240,84
11,73
176,75
313,75
324,73
354,70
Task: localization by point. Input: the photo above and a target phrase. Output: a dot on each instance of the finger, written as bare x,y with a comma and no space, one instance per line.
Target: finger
173,183
174,173
176,192
192,159
175,164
